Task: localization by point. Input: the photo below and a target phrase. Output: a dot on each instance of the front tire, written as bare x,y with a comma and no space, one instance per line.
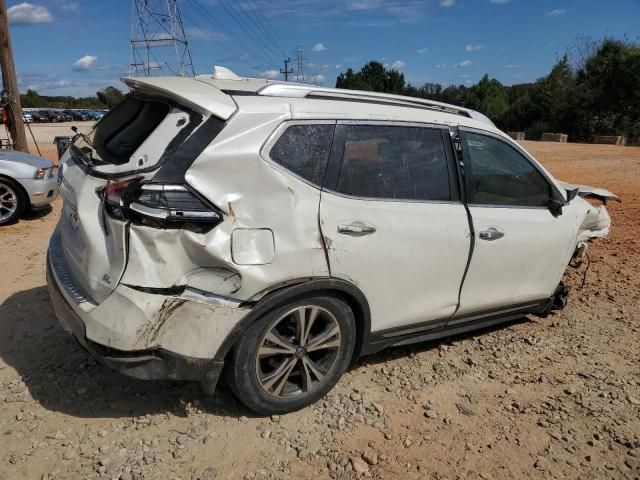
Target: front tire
12,201
292,356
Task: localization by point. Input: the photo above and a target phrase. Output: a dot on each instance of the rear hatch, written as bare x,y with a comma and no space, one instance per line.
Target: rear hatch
155,133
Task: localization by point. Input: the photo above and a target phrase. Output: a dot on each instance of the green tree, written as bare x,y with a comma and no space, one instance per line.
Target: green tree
110,96
375,77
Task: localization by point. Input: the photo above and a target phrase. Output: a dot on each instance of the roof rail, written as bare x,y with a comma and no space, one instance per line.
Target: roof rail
305,91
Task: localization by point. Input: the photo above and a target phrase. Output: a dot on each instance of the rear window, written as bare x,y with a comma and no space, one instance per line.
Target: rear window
120,132
304,149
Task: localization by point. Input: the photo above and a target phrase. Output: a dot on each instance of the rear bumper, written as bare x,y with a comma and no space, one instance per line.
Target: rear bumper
154,364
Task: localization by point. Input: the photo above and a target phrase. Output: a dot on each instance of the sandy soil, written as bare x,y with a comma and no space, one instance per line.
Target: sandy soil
41,142
552,398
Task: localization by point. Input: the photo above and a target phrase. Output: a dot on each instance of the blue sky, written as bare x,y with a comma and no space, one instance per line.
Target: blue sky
75,47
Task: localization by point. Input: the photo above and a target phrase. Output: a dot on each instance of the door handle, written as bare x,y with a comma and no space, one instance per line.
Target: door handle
356,229
490,234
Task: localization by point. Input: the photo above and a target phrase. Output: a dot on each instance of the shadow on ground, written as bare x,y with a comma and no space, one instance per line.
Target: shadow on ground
62,377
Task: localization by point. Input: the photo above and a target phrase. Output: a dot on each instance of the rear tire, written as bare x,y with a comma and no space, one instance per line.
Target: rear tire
12,201
292,356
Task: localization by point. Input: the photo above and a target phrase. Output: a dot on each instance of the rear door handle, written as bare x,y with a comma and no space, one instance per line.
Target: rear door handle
490,234
356,229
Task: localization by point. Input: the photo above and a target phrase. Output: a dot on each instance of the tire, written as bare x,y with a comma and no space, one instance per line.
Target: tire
271,383
12,201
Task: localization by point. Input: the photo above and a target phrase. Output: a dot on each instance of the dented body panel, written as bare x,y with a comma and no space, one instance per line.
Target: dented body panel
146,289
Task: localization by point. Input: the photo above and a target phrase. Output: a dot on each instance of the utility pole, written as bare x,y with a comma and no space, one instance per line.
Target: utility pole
10,84
286,70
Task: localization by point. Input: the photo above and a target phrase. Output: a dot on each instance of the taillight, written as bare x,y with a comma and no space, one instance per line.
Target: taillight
160,205
173,203
115,195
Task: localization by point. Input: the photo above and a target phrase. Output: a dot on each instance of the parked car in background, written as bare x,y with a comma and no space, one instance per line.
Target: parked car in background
95,115
52,116
27,117
39,117
282,230
27,182
76,115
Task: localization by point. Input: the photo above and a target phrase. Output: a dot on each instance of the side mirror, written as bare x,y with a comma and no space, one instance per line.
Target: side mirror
555,207
571,194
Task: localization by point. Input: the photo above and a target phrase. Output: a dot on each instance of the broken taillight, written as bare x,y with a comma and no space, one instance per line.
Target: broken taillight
160,205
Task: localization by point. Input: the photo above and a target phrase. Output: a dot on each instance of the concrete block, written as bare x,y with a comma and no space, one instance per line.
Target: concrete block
517,135
610,140
554,137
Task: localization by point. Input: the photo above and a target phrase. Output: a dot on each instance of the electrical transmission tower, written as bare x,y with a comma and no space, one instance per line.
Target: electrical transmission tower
159,45
299,65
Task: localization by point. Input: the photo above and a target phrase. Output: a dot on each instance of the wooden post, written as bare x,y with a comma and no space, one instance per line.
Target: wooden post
10,82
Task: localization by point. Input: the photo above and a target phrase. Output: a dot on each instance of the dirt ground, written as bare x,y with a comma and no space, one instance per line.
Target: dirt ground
553,398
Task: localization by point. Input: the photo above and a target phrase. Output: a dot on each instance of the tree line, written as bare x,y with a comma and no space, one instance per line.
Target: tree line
104,99
593,89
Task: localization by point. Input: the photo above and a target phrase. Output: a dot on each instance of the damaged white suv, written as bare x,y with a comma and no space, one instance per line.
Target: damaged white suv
283,230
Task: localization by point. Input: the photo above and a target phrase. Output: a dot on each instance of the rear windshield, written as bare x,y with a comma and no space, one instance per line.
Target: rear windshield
121,131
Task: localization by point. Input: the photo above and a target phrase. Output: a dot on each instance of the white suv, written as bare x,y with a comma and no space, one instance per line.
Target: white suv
283,230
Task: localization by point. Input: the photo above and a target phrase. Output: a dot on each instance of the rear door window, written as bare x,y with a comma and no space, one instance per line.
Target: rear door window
394,162
304,150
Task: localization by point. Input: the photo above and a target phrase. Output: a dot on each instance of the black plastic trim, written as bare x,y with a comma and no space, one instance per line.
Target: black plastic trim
183,157
279,296
435,329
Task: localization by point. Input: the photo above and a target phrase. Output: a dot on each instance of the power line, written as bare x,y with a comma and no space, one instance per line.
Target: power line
219,26
247,30
246,9
269,26
210,35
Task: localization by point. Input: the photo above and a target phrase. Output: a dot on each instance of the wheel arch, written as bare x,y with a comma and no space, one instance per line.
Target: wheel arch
279,296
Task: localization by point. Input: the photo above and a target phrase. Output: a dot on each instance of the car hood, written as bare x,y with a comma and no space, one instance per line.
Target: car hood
586,191
25,158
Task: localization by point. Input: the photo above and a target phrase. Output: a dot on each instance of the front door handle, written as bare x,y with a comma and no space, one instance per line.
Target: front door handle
490,234
356,229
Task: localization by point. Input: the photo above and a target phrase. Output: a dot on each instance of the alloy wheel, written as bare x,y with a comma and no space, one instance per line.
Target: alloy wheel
8,202
298,351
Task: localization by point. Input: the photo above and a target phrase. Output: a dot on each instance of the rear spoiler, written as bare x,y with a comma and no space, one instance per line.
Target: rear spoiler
199,96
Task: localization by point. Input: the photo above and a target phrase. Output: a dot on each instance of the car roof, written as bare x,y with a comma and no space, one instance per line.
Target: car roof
308,101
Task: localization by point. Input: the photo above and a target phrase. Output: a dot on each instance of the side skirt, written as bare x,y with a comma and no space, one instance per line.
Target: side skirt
448,327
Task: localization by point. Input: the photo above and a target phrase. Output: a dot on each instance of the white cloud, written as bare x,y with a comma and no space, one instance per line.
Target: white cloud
70,6
271,74
318,47
84,63
474,48
447,3
422,50
557,12
512,65
364,4
27,14
318,79
398,65
500,2
464,63
338,66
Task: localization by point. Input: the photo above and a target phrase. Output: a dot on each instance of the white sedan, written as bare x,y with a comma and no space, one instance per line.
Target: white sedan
27,182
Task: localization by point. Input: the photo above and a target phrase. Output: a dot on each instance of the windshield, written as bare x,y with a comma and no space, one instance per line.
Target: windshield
121,131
